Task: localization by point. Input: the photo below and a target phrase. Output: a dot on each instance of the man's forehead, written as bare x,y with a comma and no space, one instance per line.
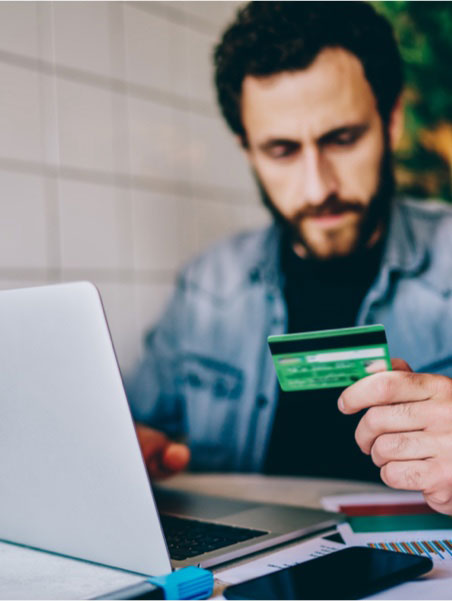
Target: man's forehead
332,92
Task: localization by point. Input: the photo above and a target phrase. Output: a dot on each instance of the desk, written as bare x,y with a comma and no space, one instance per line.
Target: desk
270,489
29,574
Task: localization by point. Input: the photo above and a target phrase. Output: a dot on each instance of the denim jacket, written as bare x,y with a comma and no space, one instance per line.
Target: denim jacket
207,372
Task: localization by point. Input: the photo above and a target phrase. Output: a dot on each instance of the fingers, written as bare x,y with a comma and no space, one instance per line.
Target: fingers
375,366
156,470
428,476
402,417
403,446
440,499
162,457
408,475
151,441
173,458
176,457
380,365
407,429
400,365
387,388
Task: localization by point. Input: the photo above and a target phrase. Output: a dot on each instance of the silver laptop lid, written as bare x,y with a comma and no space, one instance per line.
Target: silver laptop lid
73,480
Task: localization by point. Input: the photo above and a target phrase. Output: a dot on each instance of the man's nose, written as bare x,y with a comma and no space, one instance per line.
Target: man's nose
319,181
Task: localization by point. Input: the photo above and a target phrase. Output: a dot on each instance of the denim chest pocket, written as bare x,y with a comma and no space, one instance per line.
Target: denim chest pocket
219,380
212,391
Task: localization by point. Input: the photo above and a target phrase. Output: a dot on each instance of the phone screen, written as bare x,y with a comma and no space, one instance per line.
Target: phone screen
350,573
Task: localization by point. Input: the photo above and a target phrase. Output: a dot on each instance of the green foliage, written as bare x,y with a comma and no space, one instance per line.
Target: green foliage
424,33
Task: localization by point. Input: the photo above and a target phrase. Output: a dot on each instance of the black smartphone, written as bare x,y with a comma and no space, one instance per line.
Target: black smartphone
350,573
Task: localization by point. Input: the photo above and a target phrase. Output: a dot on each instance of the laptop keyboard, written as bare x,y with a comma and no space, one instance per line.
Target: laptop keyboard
188,538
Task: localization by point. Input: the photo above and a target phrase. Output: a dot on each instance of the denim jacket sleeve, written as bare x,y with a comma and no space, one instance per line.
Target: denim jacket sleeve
154,389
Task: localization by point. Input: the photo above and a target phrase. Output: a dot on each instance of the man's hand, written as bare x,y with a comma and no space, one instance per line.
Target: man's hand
162,457
407,429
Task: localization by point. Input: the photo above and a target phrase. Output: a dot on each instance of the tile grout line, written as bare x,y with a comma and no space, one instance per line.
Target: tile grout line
188,189
174,15
112,84
54,190
113,276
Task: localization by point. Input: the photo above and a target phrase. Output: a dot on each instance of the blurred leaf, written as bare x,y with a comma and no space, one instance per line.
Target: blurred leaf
424,33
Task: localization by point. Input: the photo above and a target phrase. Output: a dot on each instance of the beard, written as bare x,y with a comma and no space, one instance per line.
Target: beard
372,217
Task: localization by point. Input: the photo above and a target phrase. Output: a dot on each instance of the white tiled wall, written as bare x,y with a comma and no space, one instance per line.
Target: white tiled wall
82,37
114,163
19,31
21,129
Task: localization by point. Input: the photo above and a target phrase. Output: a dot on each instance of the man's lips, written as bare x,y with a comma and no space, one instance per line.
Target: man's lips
330,219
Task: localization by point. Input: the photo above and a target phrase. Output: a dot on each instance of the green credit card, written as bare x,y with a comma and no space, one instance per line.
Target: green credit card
329,358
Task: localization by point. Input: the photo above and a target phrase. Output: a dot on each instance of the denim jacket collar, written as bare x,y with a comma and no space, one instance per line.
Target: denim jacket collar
403,253
267,265
412,249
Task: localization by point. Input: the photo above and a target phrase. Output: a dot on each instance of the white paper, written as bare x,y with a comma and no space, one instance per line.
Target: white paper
333,503
364,538
30,574
435,585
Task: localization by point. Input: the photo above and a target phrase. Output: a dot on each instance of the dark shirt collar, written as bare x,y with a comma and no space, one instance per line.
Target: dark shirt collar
360,266
401,253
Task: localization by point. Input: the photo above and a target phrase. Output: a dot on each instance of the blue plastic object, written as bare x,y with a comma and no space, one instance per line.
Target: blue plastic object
186,583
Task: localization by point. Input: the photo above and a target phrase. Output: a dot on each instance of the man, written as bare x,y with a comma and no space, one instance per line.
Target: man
312,92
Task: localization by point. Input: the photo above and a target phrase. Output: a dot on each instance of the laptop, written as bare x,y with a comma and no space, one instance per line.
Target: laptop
73,478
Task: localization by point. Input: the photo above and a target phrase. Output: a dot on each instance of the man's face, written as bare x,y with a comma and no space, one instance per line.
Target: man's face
315,140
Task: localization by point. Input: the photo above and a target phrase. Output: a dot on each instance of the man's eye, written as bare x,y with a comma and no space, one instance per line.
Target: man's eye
282,150
345,139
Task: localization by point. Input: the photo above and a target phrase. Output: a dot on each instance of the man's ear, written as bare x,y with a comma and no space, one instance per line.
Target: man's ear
396,123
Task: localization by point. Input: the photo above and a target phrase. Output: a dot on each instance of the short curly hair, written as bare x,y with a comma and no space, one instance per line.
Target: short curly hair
271,37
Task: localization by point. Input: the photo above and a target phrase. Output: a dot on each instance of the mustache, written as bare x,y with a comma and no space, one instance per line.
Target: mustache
333,205
377,211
